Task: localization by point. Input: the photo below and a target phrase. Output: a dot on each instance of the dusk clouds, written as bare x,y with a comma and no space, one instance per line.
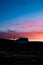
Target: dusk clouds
27,26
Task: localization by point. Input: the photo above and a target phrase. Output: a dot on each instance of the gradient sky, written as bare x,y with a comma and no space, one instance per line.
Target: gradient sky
21,15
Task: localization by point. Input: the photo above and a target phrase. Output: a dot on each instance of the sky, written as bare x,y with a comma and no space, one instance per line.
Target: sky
21,16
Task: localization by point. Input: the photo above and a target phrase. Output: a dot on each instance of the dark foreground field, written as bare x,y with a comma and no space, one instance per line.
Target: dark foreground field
21,54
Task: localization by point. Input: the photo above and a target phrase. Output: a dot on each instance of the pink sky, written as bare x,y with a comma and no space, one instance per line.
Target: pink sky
27,26
33,30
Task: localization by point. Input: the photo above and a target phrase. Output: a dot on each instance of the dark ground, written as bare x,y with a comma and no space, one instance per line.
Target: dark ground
30,53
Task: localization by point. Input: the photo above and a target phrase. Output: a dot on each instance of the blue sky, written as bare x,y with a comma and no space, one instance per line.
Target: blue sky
12,11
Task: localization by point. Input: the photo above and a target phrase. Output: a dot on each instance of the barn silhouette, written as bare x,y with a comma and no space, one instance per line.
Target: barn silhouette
22,40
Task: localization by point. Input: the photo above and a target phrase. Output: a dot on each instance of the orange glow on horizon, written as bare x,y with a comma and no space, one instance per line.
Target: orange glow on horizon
41,40
32,36
37,36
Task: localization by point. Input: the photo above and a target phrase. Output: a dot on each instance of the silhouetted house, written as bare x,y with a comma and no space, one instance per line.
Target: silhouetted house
22,40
